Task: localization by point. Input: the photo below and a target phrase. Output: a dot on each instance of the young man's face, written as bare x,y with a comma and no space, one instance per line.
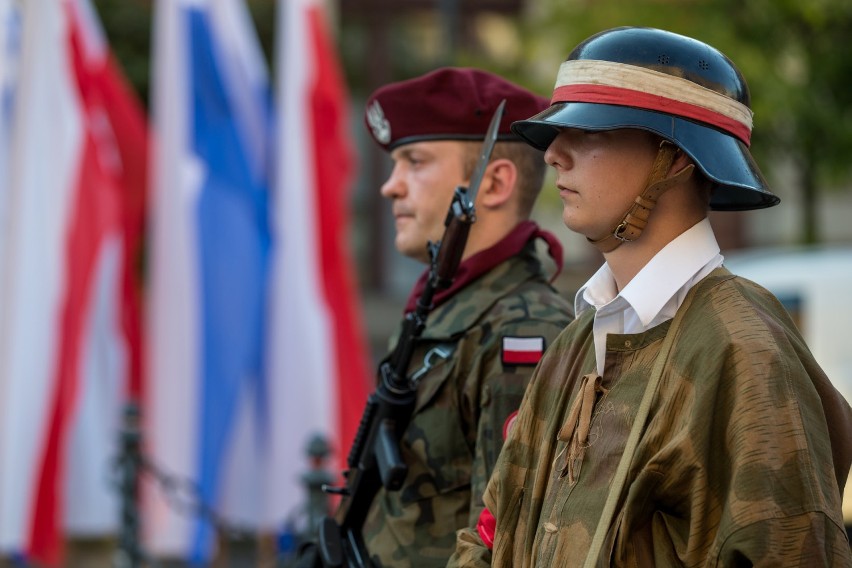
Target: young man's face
599,174
421,187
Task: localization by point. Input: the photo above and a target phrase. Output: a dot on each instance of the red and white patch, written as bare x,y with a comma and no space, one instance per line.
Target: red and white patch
509,424
522,350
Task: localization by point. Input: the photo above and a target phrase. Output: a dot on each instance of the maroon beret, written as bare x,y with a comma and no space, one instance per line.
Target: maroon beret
450,103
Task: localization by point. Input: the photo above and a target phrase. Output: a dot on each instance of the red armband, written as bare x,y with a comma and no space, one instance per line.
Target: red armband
507,425
486,526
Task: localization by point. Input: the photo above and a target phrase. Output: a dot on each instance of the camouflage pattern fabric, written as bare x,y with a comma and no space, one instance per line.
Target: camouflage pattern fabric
742,460
464,397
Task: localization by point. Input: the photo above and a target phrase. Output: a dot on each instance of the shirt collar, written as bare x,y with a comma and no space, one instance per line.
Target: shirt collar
599,290
659,280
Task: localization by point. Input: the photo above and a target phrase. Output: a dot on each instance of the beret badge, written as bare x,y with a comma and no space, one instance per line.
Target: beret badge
378,123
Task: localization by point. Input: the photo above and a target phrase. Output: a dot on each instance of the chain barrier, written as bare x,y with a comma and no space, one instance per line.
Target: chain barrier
183,496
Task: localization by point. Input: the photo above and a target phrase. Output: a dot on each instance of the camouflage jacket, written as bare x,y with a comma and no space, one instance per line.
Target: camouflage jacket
464,397
741,462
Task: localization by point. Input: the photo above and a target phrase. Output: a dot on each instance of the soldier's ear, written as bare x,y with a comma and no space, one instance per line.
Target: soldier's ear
681,160
498,183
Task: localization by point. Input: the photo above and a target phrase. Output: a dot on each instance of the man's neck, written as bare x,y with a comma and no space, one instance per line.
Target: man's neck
630,258
627,260
487,231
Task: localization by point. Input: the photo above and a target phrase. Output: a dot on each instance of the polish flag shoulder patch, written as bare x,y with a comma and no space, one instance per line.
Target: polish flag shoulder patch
522,350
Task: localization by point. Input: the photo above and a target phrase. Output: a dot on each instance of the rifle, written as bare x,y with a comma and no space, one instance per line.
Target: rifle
374,460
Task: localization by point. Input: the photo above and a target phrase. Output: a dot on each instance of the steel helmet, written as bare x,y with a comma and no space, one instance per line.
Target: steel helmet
677,87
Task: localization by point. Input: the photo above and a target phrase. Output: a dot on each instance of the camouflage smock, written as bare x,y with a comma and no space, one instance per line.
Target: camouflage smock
741,462
464,397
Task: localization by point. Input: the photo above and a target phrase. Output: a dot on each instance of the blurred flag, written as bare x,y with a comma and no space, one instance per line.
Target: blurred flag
254,339
209,259
317,353
72,195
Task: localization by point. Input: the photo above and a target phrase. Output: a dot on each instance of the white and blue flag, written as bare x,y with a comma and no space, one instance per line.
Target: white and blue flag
254,338
209,258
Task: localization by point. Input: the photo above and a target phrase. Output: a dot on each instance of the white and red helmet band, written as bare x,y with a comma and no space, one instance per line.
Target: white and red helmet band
608,82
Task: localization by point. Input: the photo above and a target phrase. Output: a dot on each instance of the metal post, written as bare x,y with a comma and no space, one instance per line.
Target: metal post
129,553
314,480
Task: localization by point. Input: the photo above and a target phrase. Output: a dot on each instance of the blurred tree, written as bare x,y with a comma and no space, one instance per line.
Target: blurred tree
803,74
128,25
794,55
263,12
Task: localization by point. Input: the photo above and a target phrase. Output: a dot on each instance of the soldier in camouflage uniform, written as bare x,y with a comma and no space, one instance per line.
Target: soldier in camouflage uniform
487,331
680,420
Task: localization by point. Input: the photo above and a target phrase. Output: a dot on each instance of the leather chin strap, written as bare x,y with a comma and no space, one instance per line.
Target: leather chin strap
636,218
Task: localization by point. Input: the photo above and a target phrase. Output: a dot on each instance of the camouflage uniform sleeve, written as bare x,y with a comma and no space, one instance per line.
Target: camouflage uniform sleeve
812,536
470,552
500,391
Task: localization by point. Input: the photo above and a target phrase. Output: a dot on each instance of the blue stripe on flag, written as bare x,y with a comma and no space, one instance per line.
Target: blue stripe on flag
233,236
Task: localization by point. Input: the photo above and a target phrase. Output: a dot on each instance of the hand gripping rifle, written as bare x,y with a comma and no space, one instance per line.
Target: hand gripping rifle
374,460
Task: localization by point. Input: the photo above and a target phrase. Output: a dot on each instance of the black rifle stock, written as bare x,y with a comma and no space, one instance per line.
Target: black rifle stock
374,460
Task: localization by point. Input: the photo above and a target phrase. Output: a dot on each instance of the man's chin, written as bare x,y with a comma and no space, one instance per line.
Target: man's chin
414,252
576,225
572,224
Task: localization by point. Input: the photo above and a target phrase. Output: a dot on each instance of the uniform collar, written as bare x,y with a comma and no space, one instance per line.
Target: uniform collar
466,306
474,267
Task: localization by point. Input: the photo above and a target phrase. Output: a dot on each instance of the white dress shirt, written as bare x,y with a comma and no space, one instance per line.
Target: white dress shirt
655,293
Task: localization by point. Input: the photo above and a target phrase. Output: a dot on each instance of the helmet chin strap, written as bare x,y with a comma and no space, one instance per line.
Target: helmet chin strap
636,218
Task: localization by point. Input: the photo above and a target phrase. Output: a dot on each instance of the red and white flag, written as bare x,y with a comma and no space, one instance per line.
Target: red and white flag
73,189
317,355
522,350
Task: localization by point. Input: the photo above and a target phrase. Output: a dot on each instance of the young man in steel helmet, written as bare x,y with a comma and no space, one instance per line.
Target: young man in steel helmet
487,331
680,420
